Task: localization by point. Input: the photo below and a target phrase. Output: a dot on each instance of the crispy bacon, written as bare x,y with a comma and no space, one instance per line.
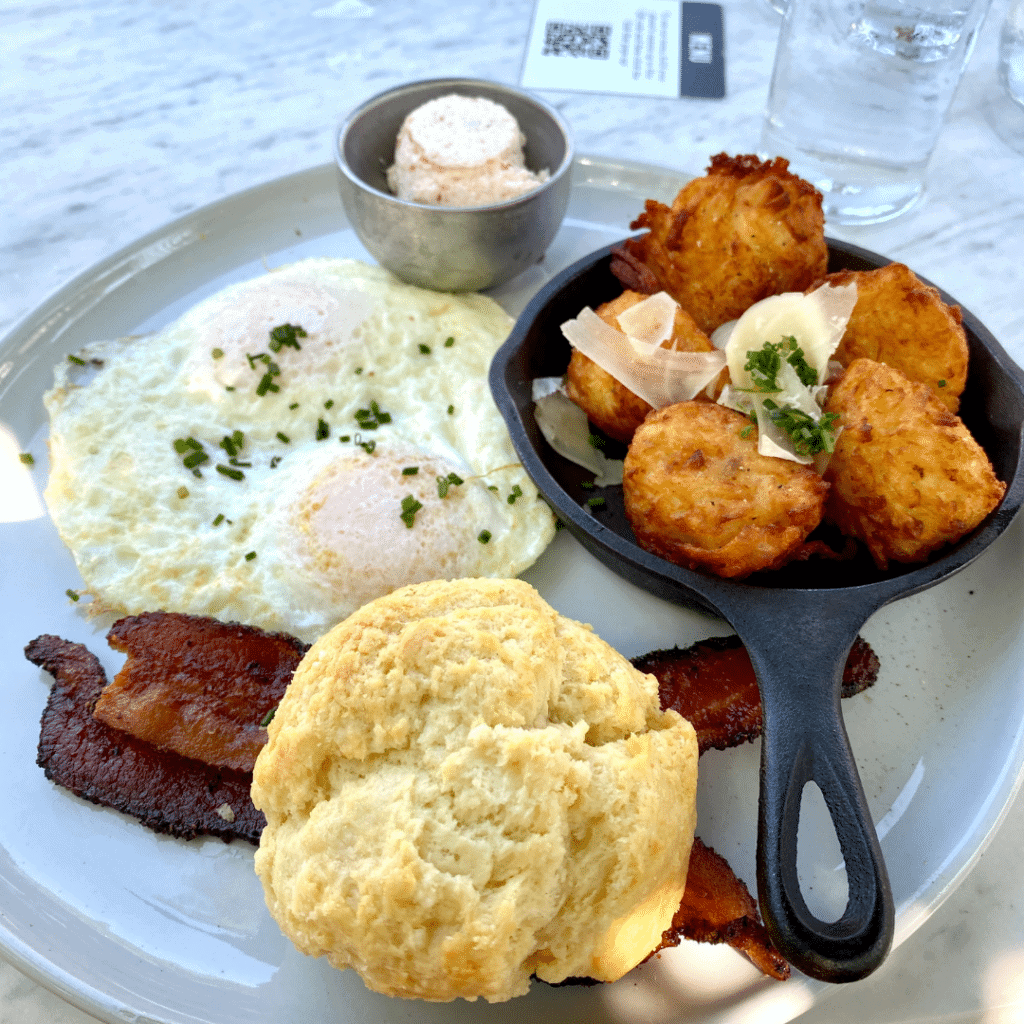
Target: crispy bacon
717,907
197,686
166,792
712,684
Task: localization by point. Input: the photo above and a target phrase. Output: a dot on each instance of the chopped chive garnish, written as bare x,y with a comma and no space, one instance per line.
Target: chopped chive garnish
76,360
448,342
517,492
233,443
595,441
286,334
323,431
595,502
274,461
345,438
217,353
294,405
368,446
484,536
183,493
219,519
446,482
283,438
74,595
328,403
410,506
235,474
266,384
587,485
451,409
27,459
410,470
942,383
268,717
358,370
250,555
370,419
194,459
424,349
492,487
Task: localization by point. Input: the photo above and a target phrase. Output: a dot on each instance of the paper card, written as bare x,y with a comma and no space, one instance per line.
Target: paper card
657,48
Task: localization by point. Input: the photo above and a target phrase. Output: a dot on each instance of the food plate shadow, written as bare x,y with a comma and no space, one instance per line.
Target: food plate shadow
797,624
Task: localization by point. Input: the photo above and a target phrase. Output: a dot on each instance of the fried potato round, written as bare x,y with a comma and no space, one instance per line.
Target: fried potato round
901,321
608,403
746,230
906,476
698,493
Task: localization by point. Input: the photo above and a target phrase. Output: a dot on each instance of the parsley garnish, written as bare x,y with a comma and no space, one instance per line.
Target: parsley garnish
283,438
234,474
410,470
323,431
72,594
517,492
268,717
424,349
76,360
250,555
219,519
448,342
27,459
484,536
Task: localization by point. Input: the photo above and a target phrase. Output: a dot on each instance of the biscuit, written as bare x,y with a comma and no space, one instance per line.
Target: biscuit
464,789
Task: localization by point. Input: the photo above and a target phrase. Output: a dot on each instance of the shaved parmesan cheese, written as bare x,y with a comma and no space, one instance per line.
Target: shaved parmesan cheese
816,320
564,426
816,323
649,322
660,376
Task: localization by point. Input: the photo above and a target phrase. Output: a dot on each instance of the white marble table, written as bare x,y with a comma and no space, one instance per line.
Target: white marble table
118,117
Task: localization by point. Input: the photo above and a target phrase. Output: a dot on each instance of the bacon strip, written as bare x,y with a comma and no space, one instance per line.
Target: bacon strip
717,907
166,792
712,685
198,686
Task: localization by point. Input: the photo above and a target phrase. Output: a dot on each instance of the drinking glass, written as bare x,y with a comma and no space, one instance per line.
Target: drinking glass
859,93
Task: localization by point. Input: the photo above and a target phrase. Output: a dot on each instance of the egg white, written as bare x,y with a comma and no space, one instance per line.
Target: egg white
314,527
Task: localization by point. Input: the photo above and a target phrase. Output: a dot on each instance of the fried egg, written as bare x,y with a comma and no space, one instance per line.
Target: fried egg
289,449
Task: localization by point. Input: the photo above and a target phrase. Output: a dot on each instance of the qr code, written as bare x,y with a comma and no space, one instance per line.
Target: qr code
569,38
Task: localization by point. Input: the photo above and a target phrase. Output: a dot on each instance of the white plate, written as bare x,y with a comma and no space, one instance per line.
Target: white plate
128,925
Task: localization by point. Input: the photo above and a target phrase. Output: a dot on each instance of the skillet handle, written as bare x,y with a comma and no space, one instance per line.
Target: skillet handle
804,739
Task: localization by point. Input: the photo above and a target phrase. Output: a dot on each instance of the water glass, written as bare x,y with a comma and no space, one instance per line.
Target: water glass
1011,53
859,93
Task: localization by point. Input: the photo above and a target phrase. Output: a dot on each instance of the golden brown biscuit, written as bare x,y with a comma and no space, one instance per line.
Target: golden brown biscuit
746,230
906,476
698,493
464,789
608,403
903,322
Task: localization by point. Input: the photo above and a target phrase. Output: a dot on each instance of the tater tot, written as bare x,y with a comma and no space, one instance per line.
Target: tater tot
608,403
901,321
698,493
906,477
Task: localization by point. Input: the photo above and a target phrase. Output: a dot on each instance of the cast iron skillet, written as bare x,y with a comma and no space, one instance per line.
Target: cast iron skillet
798,623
